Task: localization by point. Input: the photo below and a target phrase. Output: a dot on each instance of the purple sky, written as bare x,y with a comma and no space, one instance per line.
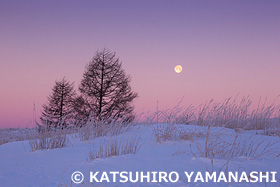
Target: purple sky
225,48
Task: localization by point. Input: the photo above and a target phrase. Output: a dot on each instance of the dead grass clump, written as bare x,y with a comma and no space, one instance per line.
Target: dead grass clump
225,146
261,117
114,146
239,115
229,113
100,129
183,135
88,132
165,132
273,129
175,115
3,140
234,113
172,133
16,134
48,140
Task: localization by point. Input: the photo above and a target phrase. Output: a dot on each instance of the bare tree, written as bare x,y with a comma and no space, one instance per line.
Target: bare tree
105,90
58,110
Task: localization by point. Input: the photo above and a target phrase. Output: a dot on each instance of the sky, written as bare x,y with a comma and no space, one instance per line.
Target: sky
226,48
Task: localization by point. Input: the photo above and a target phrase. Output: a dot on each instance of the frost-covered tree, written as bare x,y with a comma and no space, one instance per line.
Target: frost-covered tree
105,89
58,110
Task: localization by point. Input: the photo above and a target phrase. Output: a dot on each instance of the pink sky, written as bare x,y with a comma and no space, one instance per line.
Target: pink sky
225,48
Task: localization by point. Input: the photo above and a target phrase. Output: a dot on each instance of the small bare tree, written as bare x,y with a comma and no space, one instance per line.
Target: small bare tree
105,90
59,108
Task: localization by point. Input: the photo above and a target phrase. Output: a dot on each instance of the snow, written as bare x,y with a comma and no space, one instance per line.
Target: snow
20,167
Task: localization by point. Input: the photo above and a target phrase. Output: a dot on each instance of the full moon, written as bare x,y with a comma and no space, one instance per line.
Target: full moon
178,69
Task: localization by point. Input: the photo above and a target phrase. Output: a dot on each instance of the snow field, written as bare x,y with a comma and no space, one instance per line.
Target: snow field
143,148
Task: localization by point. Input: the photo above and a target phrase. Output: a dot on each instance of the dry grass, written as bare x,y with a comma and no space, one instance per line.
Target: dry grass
225,146
94,130
165,132
3,139
234,113
16,134
239,115
115,146
229,113
176,115
48,140
169,132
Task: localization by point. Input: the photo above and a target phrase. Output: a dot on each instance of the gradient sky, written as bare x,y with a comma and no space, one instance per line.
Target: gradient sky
225,48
